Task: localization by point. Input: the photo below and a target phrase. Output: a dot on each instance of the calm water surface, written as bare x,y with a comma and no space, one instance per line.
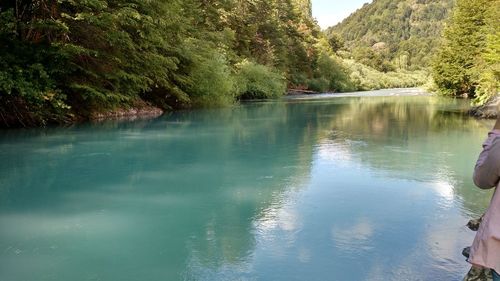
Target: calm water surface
346,188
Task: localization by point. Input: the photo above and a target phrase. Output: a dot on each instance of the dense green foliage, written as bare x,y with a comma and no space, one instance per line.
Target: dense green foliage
257,81
86,55
489,62
394,34
64,57
468,62
67,59
366,78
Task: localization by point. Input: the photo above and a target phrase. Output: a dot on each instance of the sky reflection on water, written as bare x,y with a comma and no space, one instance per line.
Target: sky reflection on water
351,188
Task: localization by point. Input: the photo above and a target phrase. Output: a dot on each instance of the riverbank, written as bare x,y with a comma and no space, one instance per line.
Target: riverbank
144,111
23,118
487,111
397,92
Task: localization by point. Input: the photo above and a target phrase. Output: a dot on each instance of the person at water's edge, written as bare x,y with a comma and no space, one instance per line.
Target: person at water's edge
485,251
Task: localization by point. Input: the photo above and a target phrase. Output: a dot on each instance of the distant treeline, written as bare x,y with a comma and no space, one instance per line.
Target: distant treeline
65,59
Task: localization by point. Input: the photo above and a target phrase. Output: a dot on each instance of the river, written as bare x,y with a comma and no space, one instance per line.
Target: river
364,186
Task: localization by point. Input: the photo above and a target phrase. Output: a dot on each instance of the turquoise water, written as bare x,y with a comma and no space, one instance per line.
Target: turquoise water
324,188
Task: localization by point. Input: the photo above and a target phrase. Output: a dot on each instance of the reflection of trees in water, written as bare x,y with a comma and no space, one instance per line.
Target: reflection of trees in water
192,184
420,138
396,117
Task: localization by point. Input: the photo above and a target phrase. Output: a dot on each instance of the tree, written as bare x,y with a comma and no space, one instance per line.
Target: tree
335,41
489,64
454,70
63,58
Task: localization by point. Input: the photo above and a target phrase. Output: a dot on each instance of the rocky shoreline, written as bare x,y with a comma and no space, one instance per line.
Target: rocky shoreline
144,111
297,92
487,111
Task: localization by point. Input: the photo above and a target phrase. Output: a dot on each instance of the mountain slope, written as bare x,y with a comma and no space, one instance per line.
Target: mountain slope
404,33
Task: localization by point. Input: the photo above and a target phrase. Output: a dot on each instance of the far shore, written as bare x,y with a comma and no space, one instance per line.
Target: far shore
373,93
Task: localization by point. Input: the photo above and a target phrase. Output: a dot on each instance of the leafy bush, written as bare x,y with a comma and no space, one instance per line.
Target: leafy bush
320,85
29,75
210,81
255,81
331,75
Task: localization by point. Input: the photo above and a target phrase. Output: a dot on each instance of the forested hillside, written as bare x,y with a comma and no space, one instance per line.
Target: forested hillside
458,41
391,34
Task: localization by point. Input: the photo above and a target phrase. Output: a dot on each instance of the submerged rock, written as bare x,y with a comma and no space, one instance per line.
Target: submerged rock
474,224
466,252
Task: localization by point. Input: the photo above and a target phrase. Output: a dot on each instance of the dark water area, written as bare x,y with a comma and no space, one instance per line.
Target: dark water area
372,186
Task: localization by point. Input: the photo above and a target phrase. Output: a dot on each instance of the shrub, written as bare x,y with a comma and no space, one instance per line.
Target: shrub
210,81
255,81
331,75
318,84
29,95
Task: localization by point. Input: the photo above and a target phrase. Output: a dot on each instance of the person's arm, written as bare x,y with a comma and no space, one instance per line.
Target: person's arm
487,170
